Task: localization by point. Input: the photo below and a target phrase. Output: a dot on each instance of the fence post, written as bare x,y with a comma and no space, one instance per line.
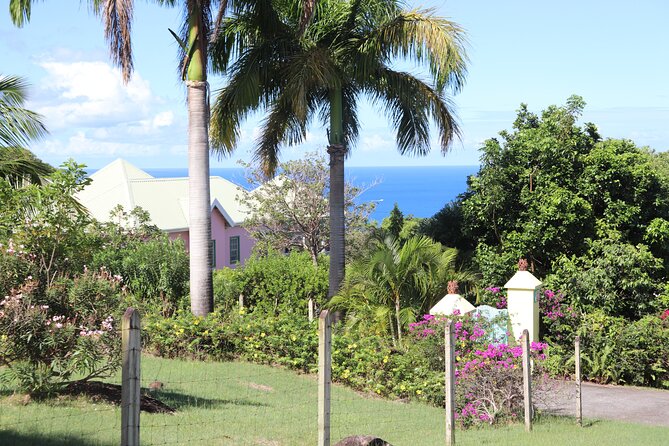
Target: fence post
311,309
577,362
324,377
130,388
449,360
241,302
527,380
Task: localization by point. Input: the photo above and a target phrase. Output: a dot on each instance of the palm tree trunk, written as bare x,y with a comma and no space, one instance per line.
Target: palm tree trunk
199,209
201,289
336,150
397,319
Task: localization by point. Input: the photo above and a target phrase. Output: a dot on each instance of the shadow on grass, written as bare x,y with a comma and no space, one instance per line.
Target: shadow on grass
180,401
32,439
547,417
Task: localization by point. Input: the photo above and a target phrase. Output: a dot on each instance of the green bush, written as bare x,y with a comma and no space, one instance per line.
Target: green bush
154,268
615,350
57,317
274,283
618,278
227,288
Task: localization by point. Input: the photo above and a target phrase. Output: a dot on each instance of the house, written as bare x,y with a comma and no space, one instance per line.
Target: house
166,201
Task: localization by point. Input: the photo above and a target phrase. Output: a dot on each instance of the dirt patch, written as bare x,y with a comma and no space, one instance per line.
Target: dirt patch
264,442
111,393
261,387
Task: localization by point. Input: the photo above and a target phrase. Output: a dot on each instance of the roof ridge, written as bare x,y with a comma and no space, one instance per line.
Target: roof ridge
126,180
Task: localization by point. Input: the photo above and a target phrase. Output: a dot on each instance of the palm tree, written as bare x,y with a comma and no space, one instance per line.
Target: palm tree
19,127
400,280
196,32
345,52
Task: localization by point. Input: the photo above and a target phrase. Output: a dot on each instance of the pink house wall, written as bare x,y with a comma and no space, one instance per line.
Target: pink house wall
221,232
183,235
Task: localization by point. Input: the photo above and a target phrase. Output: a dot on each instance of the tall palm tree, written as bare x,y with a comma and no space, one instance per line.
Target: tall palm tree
195,34
345,52
19,127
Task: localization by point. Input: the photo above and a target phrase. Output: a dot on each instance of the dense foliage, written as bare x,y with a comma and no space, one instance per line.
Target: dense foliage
613,349
273,283
592,211
400,279
67,279
154,268
57,317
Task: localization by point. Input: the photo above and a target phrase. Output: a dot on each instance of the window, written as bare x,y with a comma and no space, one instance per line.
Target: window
234,250
212,247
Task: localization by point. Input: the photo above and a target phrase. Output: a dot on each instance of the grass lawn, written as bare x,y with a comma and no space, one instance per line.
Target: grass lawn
245,404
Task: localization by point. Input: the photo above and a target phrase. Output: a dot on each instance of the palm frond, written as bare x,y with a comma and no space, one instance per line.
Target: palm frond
18,126
281,126
420,36
411,104
20,10
117,19
19,166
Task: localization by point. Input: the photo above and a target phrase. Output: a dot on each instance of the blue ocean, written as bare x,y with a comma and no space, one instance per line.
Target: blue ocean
418,191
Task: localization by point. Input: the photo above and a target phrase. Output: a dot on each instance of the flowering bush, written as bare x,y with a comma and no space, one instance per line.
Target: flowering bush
51,335
495,296
488,372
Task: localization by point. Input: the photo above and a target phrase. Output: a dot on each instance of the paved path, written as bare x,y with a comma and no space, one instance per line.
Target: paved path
625,403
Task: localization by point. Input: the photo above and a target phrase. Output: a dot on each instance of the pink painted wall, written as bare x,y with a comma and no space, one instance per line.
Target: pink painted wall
183,235
221,232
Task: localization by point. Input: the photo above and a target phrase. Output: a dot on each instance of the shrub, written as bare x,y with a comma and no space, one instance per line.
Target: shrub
57,323
488,371
227,288
277,283
154,268
63,333
619,278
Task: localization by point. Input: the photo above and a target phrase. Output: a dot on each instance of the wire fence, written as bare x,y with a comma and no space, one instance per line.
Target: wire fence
189,402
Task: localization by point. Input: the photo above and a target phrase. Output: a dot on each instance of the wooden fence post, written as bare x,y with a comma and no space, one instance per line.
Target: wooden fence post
241,302
130,374
324,377
449,361
311,309
527,380
577,363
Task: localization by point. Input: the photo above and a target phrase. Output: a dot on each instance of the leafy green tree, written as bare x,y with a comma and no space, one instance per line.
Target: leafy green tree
291,210
550,188
395,222
446,228
617,278
346,51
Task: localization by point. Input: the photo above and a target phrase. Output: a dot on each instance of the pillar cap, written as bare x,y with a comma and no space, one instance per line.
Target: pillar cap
523,280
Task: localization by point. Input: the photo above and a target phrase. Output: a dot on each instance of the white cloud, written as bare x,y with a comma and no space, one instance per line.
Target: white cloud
92,94
81,144
376,143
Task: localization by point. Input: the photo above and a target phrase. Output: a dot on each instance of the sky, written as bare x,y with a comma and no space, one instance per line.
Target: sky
612,53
